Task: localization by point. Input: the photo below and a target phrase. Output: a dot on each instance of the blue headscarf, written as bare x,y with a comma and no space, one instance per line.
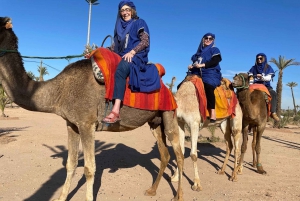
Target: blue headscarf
260,66
201,48
122,27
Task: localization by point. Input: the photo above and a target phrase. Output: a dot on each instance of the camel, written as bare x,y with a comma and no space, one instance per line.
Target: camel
255,116
78,98
188,113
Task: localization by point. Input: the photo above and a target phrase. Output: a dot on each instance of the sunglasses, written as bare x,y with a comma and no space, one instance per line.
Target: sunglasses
209,38
125,10
259,58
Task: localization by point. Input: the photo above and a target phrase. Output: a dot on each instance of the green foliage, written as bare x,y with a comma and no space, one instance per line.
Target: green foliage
4,100
212,130
32,76
283,121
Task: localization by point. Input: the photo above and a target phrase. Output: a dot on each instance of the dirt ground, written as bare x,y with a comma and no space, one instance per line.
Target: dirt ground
33,153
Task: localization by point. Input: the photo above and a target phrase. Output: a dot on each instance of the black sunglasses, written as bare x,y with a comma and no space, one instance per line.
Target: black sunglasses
209,38
259,58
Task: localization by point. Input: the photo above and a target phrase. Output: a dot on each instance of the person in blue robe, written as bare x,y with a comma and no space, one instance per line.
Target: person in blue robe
205,64
263,73
132,43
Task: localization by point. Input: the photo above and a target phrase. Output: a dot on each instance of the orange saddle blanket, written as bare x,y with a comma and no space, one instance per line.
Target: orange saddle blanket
263,88
161,99
226,99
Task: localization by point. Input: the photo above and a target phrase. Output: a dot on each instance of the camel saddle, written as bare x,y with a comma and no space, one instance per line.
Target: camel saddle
267,94
226,99
104,64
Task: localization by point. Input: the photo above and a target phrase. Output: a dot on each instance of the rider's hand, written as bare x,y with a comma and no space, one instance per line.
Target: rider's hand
129,55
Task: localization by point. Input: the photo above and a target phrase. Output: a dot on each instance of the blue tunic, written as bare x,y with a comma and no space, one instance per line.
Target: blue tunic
210,75
264,68
143,77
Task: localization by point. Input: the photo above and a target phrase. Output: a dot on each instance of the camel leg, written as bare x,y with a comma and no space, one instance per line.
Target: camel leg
254,131
172,132
225,127
243,149
175,176
164,157
72,162
87,134
194,126
260,131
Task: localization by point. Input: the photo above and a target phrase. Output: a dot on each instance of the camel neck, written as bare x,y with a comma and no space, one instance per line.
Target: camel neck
23,91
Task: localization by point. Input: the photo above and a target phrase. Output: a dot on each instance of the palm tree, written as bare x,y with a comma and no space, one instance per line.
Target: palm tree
32,76
90,2
293,84
281,64
171,85
43,71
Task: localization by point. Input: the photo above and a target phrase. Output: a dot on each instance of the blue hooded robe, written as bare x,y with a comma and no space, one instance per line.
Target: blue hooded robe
143,77
210,75
262,68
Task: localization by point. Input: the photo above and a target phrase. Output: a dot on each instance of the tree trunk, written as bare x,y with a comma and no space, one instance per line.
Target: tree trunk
279,92
295,111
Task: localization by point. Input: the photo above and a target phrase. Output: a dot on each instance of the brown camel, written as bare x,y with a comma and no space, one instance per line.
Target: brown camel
78,98
255,116
188,113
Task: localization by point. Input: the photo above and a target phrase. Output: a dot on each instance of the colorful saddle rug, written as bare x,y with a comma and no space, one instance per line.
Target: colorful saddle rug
107,61
264,89
226,99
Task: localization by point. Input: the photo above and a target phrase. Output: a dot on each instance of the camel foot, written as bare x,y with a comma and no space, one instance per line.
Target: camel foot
177,198
239,170
254,164
150,192
233,178
197,188
221,172
260,169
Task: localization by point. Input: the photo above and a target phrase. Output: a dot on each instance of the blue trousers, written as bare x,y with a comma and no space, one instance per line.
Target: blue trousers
122,73
274,100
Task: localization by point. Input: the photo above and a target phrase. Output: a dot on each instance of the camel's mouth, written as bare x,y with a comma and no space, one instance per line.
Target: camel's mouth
8,24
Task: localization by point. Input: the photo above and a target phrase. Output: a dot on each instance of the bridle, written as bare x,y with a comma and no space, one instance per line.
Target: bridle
244,82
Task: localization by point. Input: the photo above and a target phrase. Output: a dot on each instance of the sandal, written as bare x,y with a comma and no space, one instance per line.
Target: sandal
111,120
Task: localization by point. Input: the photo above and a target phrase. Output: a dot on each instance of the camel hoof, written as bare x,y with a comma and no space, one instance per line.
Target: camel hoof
150,192
233,178
197,188
220,172
262,172
177,199
260,169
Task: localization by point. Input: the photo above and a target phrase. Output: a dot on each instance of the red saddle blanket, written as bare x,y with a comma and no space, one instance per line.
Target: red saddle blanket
226,99
161,99
262,88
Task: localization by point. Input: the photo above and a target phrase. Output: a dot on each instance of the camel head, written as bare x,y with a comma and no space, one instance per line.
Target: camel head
5,22
8,40
241,81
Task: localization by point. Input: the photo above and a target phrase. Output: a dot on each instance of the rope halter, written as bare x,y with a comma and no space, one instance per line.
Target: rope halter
244,82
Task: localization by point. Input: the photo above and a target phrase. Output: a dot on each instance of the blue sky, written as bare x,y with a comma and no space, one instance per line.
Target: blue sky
242,28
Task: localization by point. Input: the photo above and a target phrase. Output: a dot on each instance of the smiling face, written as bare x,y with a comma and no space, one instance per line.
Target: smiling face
126,13
207,40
